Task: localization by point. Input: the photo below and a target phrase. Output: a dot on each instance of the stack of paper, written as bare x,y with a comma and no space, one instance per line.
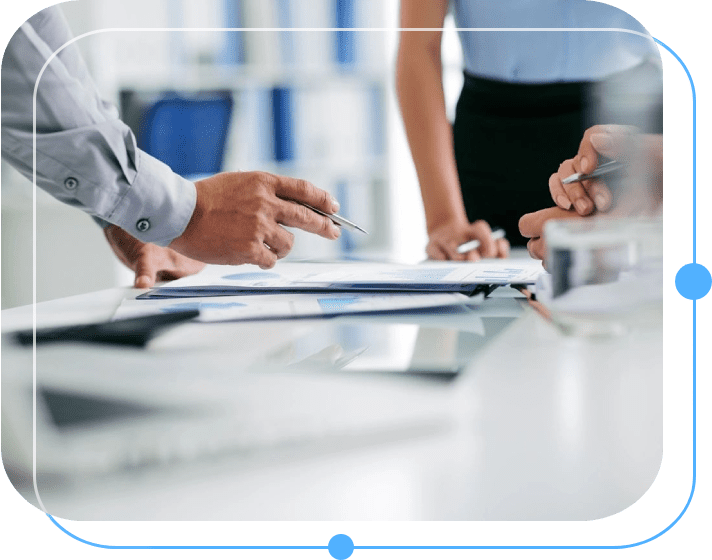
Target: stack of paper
306,289
304,277
292,306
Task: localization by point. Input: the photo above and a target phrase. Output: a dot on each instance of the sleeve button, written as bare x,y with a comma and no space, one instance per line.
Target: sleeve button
70,183
143,225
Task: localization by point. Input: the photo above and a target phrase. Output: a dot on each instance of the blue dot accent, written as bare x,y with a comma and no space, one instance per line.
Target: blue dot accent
693,281
341,547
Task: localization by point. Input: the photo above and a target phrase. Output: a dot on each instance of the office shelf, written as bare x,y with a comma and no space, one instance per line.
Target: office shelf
333,87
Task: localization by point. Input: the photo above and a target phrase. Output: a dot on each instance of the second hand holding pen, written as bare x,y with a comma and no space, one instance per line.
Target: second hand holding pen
475,243
603,169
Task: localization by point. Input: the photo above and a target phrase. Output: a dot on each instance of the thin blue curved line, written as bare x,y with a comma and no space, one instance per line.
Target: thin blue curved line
181,547
694,150
512,547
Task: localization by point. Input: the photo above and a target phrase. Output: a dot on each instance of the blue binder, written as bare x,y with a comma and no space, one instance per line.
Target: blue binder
282,124
345,40
188,133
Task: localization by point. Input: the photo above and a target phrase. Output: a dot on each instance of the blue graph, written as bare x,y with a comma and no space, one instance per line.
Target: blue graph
429,275
335,304
252,276
197,306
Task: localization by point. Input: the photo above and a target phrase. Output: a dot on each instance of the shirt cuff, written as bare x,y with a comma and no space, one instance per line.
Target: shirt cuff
103,224
159,204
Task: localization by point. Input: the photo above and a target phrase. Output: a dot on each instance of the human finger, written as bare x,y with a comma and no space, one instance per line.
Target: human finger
502,248
451,248
260,255
303,191
613,141
579,197
586,159
600,193
280,241
473,255
435,252
447,245
566,195
482,231
532,224
537,248
293,214
146,269
556,188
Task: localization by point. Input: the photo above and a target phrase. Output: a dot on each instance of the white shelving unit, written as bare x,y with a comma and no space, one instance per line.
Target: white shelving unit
338,121
133,51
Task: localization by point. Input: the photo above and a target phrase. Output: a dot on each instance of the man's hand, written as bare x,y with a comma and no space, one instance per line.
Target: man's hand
612,141
238,218
445,239
642,155
532,226
150,262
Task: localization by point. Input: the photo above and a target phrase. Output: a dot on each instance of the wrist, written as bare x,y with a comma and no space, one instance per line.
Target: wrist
453,221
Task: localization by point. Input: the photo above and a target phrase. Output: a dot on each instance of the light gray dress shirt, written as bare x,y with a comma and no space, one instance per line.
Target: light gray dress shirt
86,156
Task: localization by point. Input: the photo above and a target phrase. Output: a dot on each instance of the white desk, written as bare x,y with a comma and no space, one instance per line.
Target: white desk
536,427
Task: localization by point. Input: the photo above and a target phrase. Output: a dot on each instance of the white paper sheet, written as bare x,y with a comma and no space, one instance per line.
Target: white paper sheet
276,306
433,276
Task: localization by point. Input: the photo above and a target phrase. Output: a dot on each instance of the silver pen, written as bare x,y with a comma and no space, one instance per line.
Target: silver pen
600,170
338,220
475,243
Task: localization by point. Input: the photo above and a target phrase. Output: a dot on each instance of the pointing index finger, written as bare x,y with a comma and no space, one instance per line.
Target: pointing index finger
304,192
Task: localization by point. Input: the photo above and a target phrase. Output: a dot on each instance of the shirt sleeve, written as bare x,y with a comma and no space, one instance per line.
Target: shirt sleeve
85,155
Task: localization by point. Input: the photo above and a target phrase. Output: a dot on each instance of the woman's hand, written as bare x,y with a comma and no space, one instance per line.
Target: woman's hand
445,239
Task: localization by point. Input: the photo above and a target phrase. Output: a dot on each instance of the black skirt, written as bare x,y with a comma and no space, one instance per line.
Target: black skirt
509,139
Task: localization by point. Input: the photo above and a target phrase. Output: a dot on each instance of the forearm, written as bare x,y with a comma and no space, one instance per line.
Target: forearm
422,103
82,154
124,189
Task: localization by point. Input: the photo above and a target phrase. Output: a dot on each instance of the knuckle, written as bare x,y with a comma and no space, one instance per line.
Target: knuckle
302,186
324,225
262,222
264,182
481,226
266,178
254,250
302,213
252,223
322,196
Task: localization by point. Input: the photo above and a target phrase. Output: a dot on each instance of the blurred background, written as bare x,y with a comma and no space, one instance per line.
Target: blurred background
318,105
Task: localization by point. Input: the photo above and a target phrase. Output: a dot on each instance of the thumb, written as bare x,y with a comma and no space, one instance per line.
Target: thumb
482,231
616,142
605,144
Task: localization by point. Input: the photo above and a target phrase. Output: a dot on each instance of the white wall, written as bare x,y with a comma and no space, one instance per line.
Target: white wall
72,255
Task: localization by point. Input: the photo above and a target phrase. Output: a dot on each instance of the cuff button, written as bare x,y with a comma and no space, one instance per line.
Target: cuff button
70,183
143,225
